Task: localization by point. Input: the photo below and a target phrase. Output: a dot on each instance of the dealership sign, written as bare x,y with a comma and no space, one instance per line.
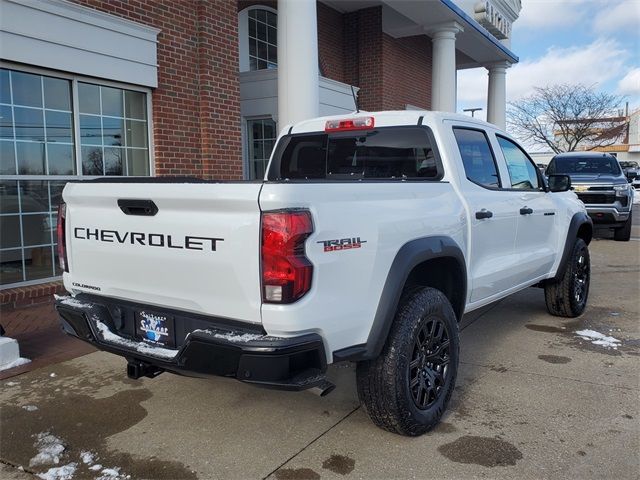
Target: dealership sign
493,18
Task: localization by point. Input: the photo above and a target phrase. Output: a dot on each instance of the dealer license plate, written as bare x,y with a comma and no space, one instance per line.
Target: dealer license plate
155,328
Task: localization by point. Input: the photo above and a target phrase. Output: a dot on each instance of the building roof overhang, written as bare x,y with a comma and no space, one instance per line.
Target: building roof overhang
475,45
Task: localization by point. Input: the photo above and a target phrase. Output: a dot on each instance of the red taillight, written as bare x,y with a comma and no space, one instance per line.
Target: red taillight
362,123
286,271
62,238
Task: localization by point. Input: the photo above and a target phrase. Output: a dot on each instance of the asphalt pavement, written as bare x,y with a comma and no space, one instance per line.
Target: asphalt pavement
534,399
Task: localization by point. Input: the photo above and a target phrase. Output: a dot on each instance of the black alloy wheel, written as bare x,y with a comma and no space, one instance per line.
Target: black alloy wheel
581,277
429,363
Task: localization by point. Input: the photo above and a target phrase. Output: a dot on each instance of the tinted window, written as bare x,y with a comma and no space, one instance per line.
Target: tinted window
477,157
384,153
522,171
584,165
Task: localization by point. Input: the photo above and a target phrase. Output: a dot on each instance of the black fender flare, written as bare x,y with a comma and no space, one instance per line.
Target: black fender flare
577,221
409,256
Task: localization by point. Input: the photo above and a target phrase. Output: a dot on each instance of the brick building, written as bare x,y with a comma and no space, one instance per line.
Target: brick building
195,87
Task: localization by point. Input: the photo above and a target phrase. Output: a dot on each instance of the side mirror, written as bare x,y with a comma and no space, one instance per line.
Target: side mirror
559,183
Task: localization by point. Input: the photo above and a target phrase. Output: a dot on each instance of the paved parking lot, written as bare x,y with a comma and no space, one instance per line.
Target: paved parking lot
534,400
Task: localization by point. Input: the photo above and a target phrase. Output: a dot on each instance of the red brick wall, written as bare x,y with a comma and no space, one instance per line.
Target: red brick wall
196,107
406,72
331,43
390,72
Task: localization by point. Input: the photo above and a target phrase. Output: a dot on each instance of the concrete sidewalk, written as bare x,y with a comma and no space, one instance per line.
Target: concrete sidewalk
533,400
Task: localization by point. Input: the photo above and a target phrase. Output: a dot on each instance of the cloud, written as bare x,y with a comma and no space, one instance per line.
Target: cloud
623,16
545,14
630,83
577,64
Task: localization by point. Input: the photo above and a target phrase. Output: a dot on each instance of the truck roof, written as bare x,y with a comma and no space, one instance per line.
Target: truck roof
387,118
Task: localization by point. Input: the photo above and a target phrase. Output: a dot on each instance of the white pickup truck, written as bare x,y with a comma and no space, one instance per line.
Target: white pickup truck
369,238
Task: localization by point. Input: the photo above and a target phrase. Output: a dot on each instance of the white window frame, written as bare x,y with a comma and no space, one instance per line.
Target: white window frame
243,34
247,138
75,112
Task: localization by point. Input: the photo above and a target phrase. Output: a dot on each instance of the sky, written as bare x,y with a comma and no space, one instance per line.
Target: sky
594,42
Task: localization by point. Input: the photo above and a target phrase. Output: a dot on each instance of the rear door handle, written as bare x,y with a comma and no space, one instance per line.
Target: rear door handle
484,213
526,211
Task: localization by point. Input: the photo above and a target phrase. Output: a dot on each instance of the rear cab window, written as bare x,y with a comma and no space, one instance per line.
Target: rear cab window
477,157
384,153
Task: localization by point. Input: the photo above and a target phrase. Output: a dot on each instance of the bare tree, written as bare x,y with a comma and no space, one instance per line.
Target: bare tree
567,118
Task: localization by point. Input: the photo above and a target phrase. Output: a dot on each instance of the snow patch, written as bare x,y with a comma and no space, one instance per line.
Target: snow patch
71,302
16,363
598,338
238,337
111,472
29,408
141,347
87,457
95,467
53,375
12,384
49,447
60,473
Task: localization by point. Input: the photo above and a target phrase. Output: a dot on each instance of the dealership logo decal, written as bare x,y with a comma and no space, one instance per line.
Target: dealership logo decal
342,244
153,326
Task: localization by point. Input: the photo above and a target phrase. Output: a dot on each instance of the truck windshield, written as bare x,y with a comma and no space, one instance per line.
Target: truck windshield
382,153
584,165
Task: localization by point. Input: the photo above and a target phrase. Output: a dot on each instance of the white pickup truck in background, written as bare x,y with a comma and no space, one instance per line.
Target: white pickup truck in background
370,237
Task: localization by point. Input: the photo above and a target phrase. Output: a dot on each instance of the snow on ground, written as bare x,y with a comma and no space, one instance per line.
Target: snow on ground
110,472
49,447
59,473
15,363
12,384
87,457
598,338
29,408
52,375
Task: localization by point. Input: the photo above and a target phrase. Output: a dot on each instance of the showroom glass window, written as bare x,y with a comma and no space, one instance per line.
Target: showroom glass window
262,138
263,39
47,140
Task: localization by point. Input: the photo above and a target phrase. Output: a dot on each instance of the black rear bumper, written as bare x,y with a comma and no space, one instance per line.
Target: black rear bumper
249,355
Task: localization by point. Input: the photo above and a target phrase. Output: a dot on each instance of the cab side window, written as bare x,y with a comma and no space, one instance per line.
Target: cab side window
477,157
522,171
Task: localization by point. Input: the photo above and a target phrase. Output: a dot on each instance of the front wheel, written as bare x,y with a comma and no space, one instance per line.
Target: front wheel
623,233
567,297
407,388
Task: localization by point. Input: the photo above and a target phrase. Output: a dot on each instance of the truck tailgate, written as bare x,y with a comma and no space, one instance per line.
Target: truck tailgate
199,252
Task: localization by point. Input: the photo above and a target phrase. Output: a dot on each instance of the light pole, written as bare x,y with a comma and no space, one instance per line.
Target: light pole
472,110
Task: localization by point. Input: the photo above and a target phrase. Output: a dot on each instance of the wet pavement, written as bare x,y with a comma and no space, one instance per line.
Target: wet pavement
533,400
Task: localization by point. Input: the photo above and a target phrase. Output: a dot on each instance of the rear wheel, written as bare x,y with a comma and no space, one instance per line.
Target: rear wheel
623,233
567,297
407,388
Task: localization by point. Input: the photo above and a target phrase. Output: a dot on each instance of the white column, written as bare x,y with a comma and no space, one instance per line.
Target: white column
497,94
443,70
298,85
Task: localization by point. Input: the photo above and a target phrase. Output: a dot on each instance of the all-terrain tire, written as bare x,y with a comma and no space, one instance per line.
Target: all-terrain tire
623,233
567,297
424,333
